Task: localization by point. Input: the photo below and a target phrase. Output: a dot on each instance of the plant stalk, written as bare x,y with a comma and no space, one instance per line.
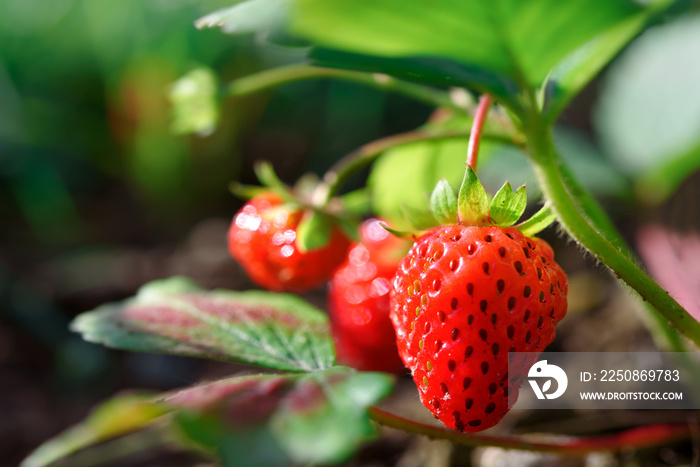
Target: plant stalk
647,436
665,336
477,127
609,249
288,74
368,153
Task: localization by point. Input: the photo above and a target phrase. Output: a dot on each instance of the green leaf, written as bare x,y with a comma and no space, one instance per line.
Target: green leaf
314,230
649,107
428,70
357,202
116,417
473,204
538,222
570,76
175,316
507,207
420,219
279,419
252,447
330,426
195,102
252,16
406,175
522,40
443,203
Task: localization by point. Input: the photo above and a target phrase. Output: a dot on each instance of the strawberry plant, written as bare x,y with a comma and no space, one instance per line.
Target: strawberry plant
476,283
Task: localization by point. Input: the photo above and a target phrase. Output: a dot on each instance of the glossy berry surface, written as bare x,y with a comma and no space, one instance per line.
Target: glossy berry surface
358,301
462,299
262,238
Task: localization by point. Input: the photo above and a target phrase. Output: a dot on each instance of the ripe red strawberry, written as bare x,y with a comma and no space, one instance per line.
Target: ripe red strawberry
461,300
358,301
262,237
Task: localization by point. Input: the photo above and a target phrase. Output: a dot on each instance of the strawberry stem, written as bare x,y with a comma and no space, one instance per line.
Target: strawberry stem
635,438
586,223
289,74
477,128
368,153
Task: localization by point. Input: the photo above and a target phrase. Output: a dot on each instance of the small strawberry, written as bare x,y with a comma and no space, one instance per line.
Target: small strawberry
282,243
468,293
358,301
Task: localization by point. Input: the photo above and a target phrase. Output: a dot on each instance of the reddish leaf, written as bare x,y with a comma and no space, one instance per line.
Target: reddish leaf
175,316
318,417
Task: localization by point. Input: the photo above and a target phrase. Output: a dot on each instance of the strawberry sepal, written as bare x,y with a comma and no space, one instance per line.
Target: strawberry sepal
314,231
443,203
269,179
538,222
507,206
246,192
472,201
419,219
406,234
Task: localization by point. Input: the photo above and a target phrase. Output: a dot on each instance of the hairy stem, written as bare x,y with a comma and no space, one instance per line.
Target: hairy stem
292,73
647,436
663,333
477,127
606,248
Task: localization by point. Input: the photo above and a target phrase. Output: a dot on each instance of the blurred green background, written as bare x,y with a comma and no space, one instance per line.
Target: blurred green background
98,196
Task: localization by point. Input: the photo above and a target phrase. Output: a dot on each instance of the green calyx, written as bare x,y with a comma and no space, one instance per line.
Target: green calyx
473,206
318,219
507,206
472,203
443,203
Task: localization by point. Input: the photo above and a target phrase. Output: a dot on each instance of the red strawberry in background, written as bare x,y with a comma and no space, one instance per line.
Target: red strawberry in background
358,301
263,238
283,242
466,295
